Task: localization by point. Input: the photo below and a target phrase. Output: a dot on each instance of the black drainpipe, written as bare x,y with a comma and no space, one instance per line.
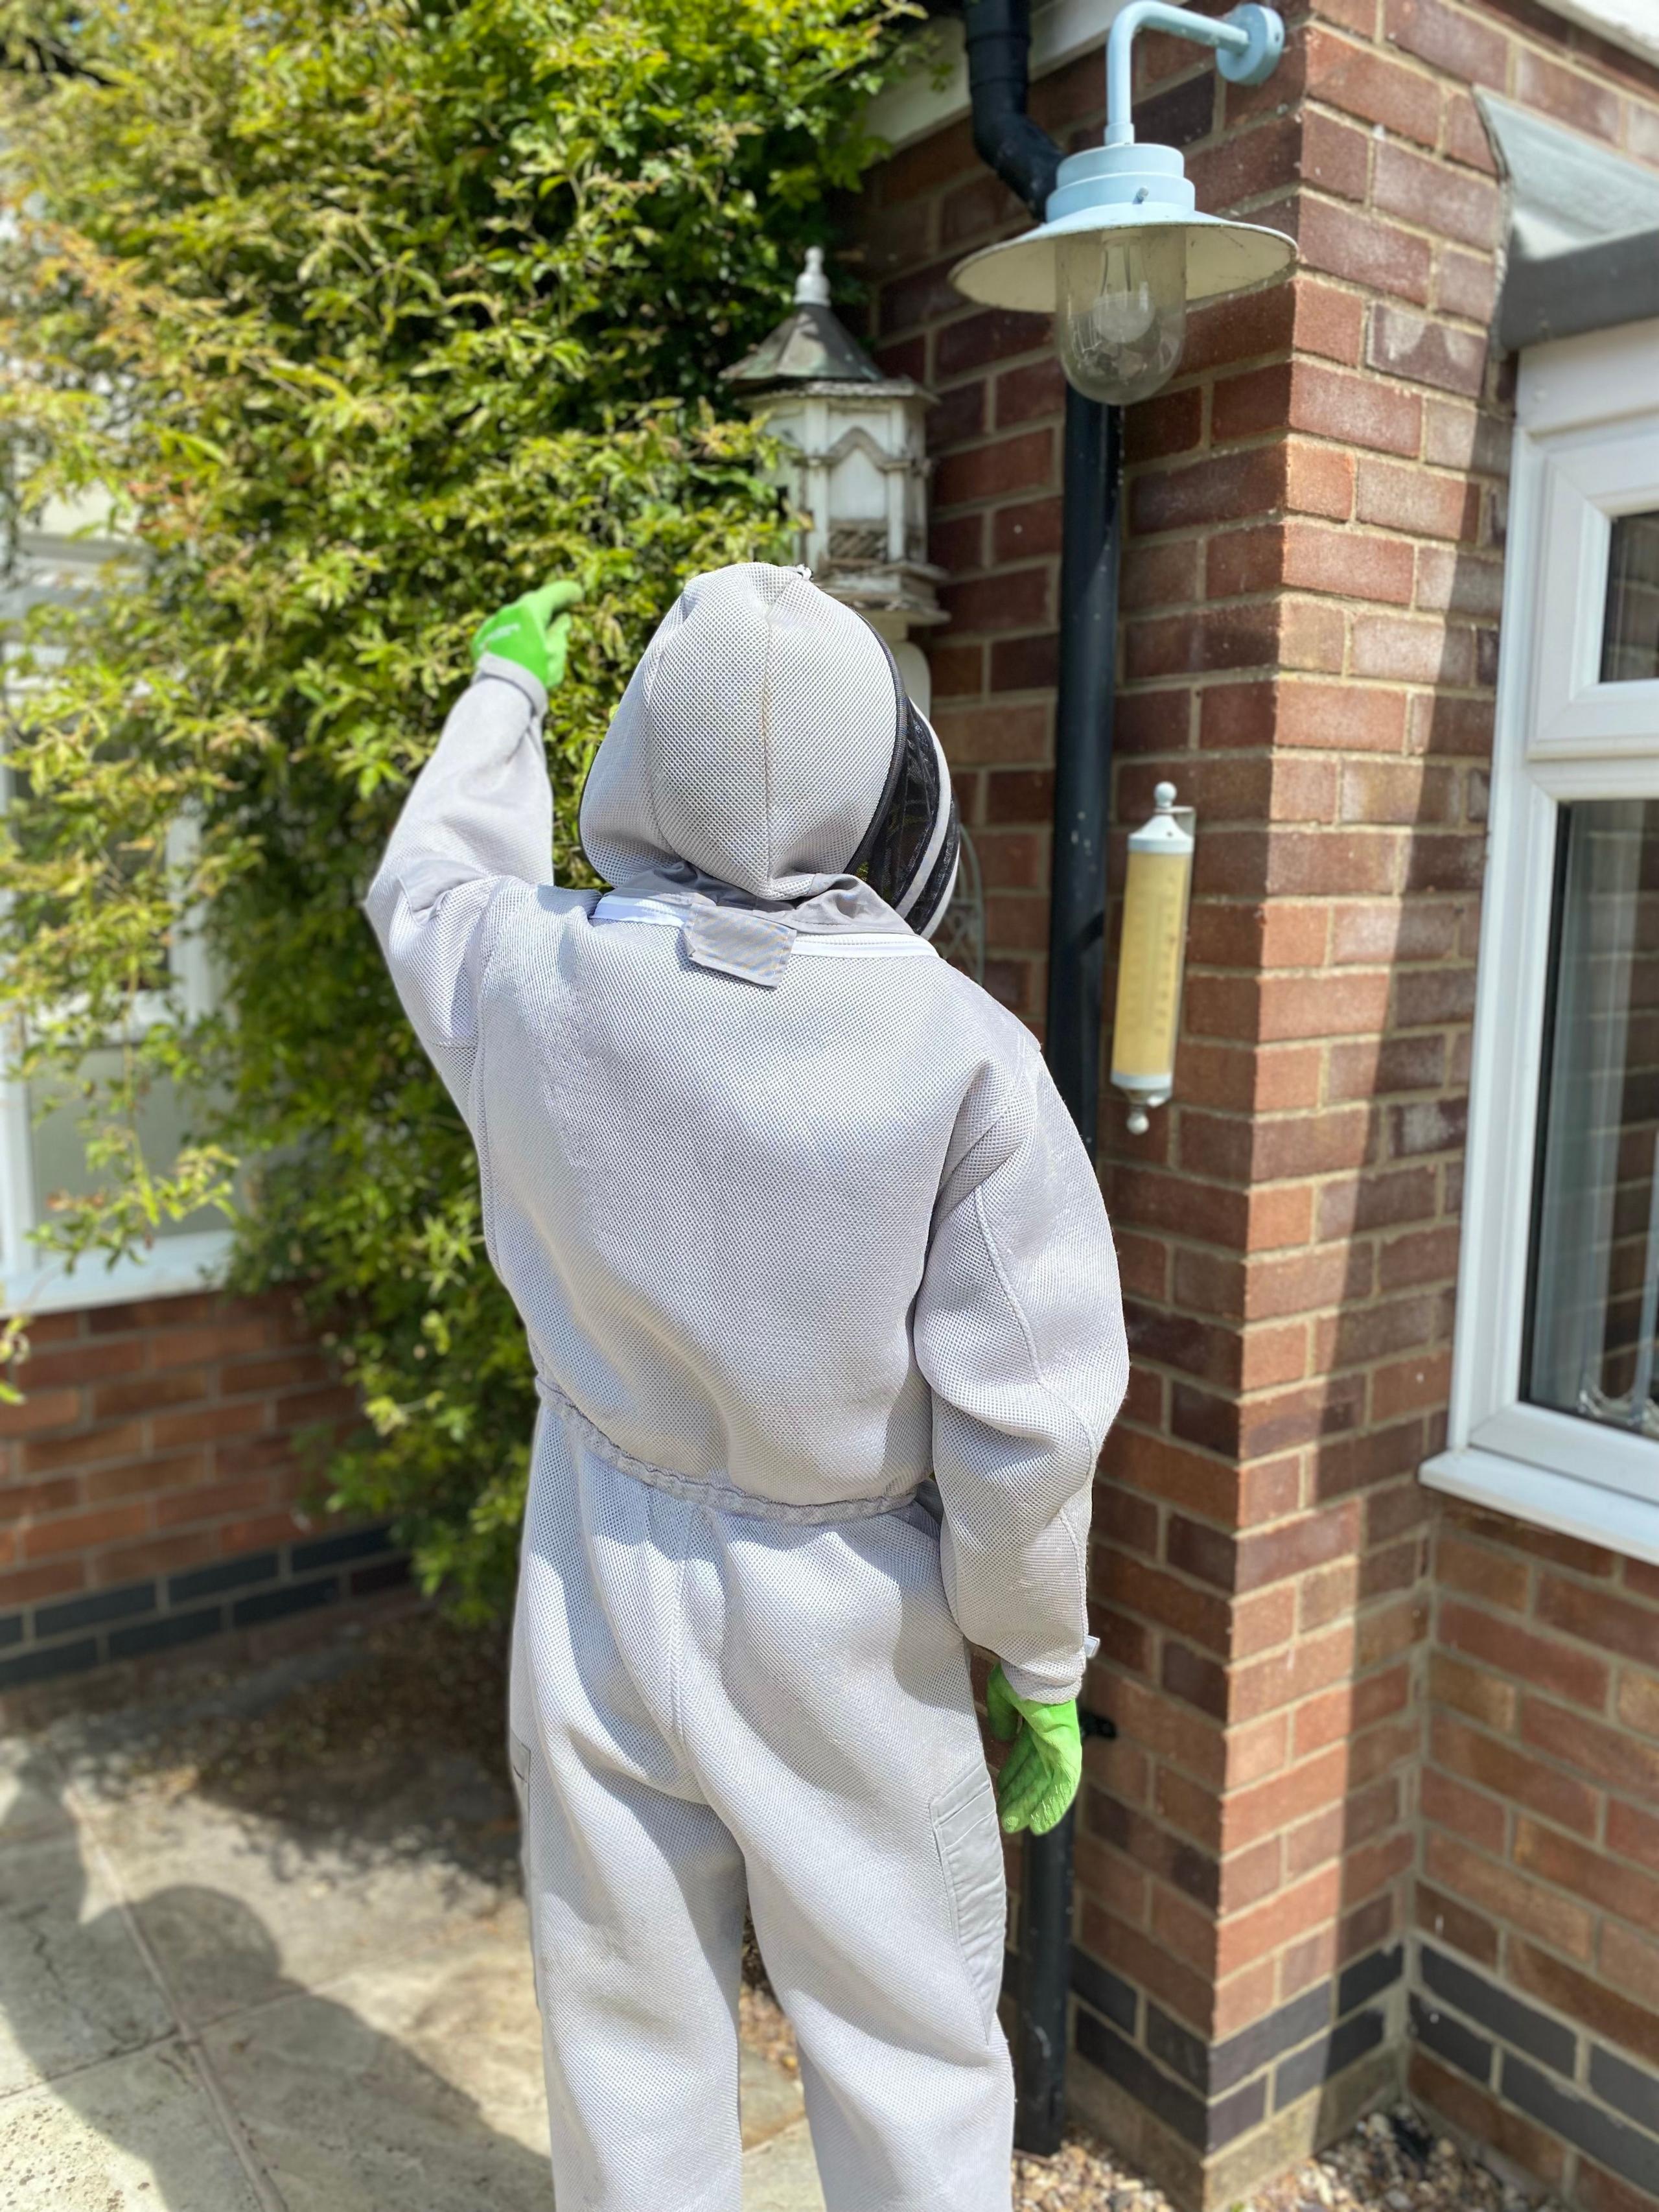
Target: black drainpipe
1023,155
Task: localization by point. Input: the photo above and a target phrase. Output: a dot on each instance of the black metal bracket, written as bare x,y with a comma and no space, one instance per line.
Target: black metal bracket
1097,1725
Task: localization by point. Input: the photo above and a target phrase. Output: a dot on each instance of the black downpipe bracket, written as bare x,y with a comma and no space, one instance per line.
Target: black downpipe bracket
1023,155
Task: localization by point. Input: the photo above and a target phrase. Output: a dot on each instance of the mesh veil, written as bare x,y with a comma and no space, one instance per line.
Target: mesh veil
908,855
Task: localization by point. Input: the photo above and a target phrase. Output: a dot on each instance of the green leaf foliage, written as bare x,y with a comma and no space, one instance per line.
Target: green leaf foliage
354,319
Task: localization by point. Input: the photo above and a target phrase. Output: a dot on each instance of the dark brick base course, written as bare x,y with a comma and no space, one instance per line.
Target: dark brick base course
136,1620
1567,2081
1210,2094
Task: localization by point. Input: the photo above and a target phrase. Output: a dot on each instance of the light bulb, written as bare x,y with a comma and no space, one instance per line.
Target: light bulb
1121,310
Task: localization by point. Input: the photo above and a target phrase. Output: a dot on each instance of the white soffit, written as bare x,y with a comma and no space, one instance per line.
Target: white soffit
933,91
1633,24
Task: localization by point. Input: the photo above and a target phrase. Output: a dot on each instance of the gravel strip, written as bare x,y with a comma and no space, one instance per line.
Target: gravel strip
1390,2163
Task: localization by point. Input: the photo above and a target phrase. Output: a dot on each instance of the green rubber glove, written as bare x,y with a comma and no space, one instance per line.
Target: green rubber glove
534,632
1040,1774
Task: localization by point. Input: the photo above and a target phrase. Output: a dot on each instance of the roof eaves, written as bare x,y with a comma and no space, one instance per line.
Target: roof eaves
1581,250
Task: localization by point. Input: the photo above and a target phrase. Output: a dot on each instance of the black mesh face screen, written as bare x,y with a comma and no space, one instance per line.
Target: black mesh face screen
934,896
906,835
905,827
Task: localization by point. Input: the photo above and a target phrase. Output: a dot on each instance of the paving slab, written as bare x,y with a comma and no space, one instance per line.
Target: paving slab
31,1795
74,1986
770,2099
780,2176
239,1908
138,2134
415,2083
232,1938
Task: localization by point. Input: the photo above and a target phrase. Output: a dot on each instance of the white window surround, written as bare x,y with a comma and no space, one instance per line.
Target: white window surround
935,91
1587,450
58,559
34,1282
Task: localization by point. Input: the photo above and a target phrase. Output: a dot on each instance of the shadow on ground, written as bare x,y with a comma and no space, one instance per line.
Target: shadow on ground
388,1744
263,1948
177,2041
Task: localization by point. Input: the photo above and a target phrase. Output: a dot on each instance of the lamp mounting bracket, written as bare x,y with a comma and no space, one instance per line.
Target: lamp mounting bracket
1247,44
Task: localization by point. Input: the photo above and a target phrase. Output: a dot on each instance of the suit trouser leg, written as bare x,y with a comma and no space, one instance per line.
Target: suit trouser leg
831,1721
705,1697
637,1902
635,1886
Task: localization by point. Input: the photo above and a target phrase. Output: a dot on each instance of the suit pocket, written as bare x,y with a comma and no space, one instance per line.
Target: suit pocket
517,1752
970,1852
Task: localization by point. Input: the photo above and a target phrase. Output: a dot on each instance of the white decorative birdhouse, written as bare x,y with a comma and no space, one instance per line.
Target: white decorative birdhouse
856,467
859,466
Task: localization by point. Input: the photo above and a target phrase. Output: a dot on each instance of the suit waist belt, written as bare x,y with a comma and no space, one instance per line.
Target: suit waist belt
724,1497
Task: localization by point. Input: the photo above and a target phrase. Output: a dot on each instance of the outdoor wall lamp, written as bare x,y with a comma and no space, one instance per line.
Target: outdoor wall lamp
1122,248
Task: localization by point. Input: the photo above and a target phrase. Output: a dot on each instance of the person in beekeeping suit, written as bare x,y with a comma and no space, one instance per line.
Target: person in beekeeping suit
826,1335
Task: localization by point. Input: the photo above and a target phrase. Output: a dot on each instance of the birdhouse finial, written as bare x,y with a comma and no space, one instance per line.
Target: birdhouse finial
812,286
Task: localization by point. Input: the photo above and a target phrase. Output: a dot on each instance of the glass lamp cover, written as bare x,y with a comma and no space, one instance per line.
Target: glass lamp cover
1121,311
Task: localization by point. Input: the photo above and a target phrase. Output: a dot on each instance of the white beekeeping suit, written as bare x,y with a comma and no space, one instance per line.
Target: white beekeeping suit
827,1332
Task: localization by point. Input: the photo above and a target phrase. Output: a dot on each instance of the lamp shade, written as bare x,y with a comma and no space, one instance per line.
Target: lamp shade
1221,256
1127,189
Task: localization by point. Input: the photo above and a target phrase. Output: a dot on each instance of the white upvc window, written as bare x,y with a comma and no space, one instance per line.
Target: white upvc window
1555,1391
40,1145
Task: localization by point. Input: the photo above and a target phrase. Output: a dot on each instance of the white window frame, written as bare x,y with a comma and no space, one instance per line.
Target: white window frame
1586,451
60,558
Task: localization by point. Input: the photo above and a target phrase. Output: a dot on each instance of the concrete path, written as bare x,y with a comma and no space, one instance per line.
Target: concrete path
223,2002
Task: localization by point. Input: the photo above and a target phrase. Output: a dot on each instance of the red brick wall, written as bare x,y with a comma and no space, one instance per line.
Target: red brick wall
1311,583
155,1458
1541,1858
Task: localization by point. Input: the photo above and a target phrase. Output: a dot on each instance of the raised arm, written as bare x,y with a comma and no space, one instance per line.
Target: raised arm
1019,1332
480,815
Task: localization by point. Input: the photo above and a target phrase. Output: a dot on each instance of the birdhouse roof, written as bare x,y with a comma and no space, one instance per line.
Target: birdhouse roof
811,345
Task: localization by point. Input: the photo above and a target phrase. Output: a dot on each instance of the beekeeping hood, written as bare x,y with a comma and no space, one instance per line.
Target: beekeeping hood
767,770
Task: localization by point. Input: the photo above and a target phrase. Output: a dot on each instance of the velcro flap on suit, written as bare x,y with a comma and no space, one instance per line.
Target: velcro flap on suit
741,941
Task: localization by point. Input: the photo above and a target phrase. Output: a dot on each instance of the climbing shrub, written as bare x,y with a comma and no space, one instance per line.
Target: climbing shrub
348,319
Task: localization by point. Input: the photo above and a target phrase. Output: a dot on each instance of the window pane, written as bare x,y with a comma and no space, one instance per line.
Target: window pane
1595,1280
30,820
57,1156
1629,631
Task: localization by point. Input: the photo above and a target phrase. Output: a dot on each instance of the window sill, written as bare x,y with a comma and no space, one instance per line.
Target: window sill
1610,1518
176,1266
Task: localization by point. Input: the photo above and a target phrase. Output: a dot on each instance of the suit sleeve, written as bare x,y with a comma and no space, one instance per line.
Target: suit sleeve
1018,1330
480,816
